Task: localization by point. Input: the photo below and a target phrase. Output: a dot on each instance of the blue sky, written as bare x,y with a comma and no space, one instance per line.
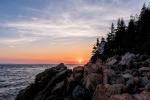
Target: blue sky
26,25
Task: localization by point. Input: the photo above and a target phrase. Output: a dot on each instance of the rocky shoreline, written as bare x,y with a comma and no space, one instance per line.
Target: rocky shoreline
124,77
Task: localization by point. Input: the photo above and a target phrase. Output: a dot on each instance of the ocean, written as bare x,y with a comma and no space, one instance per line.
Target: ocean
15,77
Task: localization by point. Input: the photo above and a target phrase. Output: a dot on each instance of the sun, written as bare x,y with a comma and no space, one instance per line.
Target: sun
80,60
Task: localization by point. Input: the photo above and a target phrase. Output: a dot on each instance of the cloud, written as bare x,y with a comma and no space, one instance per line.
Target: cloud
13,42
67,18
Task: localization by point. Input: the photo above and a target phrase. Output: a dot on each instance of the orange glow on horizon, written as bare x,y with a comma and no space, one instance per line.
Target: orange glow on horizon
43,61
74,54
31,58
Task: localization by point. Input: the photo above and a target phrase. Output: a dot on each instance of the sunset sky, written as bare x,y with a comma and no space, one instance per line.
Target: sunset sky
54,31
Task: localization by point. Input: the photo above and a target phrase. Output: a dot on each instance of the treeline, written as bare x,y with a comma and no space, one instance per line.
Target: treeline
134,37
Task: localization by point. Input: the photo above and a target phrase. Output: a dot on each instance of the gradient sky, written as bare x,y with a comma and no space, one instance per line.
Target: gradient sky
54,31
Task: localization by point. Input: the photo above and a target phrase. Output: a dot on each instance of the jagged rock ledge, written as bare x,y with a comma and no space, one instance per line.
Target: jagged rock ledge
124,77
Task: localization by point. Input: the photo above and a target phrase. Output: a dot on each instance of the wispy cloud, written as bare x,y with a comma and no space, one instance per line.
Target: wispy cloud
68,18
13,42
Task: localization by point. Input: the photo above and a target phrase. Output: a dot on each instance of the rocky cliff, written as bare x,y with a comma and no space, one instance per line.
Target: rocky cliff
124,77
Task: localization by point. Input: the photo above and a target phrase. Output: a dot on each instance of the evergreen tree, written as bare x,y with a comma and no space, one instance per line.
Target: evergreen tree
144,30
135,37
120,35
95,53
97,42
110,40
131,35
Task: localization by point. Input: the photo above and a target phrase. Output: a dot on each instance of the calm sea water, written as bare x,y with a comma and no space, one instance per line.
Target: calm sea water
14,77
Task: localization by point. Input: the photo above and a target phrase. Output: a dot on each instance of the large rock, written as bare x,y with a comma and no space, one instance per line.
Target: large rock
48,85
45,76
127,59
81,93
29,92
143,81
47,91
108,74
78,73
122,97
92,80
70,87
93,67
148,61
60,67
144,69
117,79
103,92
131,85
112,61
100,93
142,96
127,76
147,87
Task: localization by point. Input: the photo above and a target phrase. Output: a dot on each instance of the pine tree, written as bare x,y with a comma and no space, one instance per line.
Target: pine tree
144,30
135,37
110,40
120,35
95,53
131,35
97,42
